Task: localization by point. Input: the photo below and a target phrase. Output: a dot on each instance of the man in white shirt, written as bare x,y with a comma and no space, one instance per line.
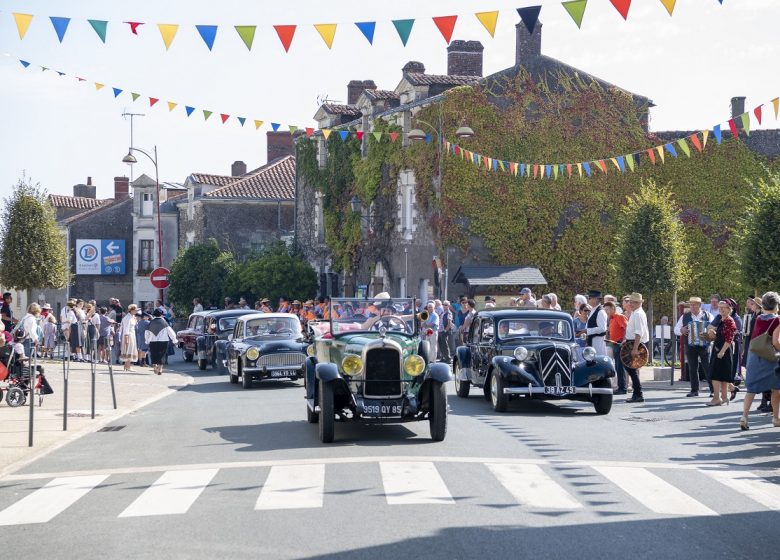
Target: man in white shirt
638,333
596,328
196,305
697,355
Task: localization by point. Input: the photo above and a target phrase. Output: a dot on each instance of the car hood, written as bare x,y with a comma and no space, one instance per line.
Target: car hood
355,342
533,343
269,346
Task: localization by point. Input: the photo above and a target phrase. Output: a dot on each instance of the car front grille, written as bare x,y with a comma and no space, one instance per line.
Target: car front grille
284,359
554,365
383,373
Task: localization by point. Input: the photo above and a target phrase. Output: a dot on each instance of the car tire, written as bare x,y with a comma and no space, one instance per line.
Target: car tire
188,357
311,416
202,363
246,381
462,388
437,417
602,403
327,413
497,397
15,397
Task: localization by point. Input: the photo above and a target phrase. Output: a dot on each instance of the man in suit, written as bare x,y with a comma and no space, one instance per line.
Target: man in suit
597,324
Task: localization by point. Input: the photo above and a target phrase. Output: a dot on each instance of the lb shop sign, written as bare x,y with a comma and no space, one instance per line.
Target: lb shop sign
101,257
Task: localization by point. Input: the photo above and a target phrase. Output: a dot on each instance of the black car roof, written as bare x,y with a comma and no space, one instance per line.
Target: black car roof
513,312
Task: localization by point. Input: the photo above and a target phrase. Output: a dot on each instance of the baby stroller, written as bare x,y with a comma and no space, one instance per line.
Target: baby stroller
15,379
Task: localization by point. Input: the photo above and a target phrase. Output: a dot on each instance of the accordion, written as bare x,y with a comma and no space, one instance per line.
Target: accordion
697,333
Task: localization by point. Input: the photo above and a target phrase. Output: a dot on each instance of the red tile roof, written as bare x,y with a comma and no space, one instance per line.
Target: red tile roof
275,180
380,94
334,109
419,79
79,202
216,180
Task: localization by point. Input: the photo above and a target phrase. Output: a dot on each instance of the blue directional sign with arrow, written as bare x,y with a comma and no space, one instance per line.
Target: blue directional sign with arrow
112,256
100,257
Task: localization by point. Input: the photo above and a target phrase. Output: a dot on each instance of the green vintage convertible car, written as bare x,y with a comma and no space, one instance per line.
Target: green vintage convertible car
367,364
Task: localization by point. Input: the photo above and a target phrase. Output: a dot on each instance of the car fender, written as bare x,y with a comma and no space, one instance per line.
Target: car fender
329,373
512,370
603,367
200,346
439,372
311,378
463,355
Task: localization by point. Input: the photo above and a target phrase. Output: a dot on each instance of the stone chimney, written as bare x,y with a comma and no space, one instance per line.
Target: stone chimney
279,144
464,58
356,87
737,107
413,67
121,188
85,191
238,169
528,46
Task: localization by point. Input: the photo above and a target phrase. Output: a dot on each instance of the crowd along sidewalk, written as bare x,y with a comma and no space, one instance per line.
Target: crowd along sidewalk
133,391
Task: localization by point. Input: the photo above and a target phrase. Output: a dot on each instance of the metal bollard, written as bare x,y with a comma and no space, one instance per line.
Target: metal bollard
65,374
33,365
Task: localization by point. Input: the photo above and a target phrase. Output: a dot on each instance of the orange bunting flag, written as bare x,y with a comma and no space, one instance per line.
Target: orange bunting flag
446,25
258,124
489,21
669,5
22,23
568,169
757,113
660,150
776,105
603,166
224,117
171,105
536,170
694,138
327,31
152,101
651,155
704,135
285,33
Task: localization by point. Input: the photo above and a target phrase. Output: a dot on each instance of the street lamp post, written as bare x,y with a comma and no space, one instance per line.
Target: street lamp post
130,158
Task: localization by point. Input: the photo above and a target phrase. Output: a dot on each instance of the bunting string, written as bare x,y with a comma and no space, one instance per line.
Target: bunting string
445,25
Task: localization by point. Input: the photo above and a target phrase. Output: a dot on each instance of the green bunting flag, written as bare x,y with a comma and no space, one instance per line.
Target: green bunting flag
247,34
404,28
576,9
135,95
100,27
206,114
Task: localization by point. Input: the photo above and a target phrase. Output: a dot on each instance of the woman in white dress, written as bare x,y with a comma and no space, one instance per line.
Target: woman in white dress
128,348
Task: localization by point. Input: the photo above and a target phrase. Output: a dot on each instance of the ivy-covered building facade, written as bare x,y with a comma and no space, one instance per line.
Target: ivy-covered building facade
387,214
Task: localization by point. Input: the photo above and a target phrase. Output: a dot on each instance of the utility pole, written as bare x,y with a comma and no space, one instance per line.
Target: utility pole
132,115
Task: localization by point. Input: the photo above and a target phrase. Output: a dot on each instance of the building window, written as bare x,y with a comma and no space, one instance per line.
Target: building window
145,256
146,204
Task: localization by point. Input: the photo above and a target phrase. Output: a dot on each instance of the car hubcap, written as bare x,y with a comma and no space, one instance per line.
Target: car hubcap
493,389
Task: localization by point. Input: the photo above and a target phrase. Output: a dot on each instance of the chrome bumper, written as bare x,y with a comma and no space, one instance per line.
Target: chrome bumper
531,390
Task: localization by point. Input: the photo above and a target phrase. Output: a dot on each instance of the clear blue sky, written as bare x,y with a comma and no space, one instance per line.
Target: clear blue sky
59,132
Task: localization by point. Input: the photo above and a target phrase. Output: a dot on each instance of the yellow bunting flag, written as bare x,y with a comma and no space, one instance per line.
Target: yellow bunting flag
579,169
614,160
326,133
746,122
327,31
704,135
776,104
669,5
258,124
22,23
171,105
660,150
98,86
489,20
168,32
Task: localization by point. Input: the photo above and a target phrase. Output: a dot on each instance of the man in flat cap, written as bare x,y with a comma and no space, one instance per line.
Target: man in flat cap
690,325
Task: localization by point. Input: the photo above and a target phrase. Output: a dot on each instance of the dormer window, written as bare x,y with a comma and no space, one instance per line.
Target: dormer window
147,204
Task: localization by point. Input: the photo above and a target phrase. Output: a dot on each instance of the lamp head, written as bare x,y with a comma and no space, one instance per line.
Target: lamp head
416,135
464,132
129,158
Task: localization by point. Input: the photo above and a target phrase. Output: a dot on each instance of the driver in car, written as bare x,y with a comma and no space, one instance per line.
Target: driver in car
546,329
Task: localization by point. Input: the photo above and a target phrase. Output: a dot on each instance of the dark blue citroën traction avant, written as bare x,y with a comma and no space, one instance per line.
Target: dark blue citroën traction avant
511,353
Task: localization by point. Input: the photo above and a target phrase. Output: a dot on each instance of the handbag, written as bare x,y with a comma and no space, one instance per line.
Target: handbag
762,346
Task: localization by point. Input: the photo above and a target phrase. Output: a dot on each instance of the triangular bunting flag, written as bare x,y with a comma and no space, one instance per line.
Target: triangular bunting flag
615,162
24,63
522,170
428,138
258,124
694,138
327,31
651,155
208,33
152,101
404,28
247,34
242,120
359,135
579,169
621,164
22,23
684,147
60,73
344,134
224,117
189,109
117,91
100,26
134,26
446,25
671,149
733,128
171,105
603,166
704,135
494,164
757,113
60,26
489,21
776,105
292,128
576,9
630,161
536,170
98,86
326,133
586,166
43,68
393,136
206,114
660,150
275,126
529,16
717,133
746,122
168,32
309,132
669,5
568,169
367,28
622,6
81,79
377,136
286,34
135,96
555,172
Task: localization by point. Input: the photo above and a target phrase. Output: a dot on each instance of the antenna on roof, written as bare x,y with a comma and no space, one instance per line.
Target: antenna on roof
322,99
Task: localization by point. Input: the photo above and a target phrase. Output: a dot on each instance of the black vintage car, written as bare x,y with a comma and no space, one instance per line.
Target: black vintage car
511,353
212,344
266,346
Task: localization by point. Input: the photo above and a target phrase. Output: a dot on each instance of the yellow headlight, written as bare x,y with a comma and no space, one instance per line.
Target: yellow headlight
414,365
252,354
310,350
352,365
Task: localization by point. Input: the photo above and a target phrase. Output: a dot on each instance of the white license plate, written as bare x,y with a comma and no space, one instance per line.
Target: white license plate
383,409
285,373
559,391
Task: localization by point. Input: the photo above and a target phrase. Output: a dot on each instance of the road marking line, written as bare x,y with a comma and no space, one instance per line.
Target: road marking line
654,492
47,502
532,487
415,482
749,484
293,487
174,492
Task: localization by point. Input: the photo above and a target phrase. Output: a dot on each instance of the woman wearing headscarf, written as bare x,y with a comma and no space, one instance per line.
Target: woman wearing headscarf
721,364
158,334
128,352
760,375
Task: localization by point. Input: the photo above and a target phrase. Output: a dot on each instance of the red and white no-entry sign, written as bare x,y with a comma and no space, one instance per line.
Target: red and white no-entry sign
159,278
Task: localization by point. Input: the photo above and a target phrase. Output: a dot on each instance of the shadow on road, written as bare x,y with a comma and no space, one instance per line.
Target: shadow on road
224,386
477,405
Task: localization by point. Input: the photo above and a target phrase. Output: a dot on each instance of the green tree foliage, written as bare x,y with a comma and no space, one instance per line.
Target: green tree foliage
200,271
759,236
651,255
33,254
274,273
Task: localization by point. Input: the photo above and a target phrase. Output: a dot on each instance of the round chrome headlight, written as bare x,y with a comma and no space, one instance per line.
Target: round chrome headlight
311,351
414,365
521,353
589,354
252,354
351,365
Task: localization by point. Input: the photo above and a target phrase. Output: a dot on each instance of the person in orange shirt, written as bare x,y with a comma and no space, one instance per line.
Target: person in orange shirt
616,331
308,311
326,309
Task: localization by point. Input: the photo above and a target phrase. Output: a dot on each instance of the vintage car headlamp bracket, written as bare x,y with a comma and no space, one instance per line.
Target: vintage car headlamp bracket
252,353
352,365
414,365
589,354
520,353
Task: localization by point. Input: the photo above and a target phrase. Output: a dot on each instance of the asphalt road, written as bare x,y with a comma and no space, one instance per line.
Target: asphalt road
216,471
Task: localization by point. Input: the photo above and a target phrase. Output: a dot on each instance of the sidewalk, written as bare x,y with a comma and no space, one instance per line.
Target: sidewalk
133,391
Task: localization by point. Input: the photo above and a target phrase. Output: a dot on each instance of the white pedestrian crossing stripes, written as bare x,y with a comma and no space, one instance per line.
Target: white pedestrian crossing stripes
425,483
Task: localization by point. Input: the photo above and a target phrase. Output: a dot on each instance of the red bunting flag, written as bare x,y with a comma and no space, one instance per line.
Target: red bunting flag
224,117
757,113
536,170
309,132
286,33
694,138
733,127
602,165
393,136
457,150
134,26
651,155
568,169
152,101
622,6
446,25
359,135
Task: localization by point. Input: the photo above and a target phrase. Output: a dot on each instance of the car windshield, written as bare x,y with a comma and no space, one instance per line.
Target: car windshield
524,328
372,314
227,323
272,326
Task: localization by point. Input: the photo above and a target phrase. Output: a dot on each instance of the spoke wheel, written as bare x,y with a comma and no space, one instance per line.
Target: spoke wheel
462,388
497,396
